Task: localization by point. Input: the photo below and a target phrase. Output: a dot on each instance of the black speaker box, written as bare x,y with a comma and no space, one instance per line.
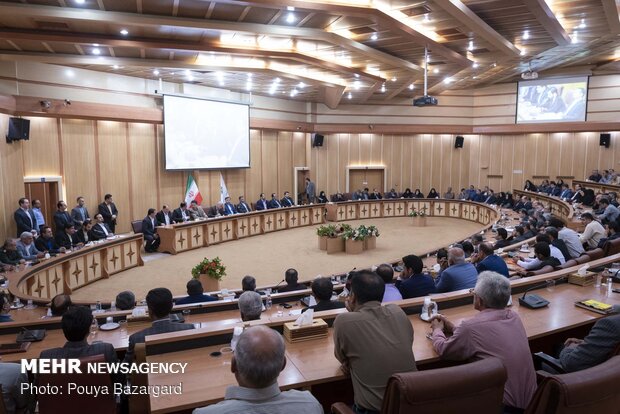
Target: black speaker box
458,142
317,140
19,128
605,140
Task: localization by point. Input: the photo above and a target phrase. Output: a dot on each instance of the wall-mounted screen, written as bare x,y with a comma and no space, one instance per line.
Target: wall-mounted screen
203,134
552,100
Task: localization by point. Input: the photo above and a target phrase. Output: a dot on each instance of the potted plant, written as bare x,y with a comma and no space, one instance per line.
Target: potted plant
370,242
325,232
354,240
210,272
419,218
335,243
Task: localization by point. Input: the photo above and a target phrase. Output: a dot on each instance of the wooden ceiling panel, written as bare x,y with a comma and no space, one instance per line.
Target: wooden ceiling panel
227,12
260,15
319,21
157,54
31,46
193,9
157,7
128,6
127,52
63,47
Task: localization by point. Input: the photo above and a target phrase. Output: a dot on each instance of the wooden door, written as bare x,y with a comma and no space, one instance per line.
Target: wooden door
367,178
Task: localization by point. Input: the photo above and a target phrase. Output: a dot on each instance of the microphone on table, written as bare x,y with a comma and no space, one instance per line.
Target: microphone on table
276,286
534,301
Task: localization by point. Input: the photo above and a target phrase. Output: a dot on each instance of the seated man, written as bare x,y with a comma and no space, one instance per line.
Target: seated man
542,252
26,248
16,399
518,235
375,195
597,347
59,304
534,264
76,326
250,306
391,294
495,331
67,238
613,232
197,210
261,203
459,275
248,284
182,214
553,235
257,362
610,212
502,239
291,276
322,289
195,294
164,217
274,202
412,282
149,231
372,342
391,194
100,230
287,201
490,261
217,210
229,207
9,253
159,303
593,233
125,300
243,207
5,308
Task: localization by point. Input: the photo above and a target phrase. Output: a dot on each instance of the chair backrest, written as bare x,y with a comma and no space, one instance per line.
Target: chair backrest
2,406
136,226
596,254
568,263
139,403
612,247
84,402
591,390
477,387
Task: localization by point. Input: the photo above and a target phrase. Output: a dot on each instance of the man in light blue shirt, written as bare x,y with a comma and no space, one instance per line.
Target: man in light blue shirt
391,294
38,214
610,213
459,275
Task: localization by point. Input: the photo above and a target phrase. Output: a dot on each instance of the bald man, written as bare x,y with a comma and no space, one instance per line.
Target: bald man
256,363
459,274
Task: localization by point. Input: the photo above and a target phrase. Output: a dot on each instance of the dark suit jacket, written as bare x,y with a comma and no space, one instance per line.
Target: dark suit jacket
493,263
243,208
416,286
195,299
82,238
64,240
287,202
147,228
23,222
158,327
213,211
597,347
161,218
290,288
229,208
76,215
62,218
326,305
262,205
105,212
177,215
44,245
374,196
273,203
98,233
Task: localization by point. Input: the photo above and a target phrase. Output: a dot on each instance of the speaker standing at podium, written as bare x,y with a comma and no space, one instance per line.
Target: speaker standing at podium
310,190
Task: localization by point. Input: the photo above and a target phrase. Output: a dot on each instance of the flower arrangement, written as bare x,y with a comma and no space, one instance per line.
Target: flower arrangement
327,231
213,268
414,213
373,231
361,233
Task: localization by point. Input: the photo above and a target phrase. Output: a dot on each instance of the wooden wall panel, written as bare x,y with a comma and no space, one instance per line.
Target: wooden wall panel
253,176
270,163
79,161
41,154
285,164
343,157
11,180
114,169
143,172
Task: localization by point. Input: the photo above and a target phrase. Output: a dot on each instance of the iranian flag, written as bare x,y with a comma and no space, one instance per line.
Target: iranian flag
192,192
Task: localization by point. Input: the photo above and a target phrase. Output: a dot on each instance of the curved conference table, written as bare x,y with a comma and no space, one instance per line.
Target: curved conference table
66,273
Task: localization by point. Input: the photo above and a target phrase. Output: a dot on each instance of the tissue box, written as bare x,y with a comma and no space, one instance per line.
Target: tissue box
585,280
294,333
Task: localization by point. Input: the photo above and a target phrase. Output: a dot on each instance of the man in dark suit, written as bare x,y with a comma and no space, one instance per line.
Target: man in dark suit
262,204
217,210
595,348
164,217
79,213
100,230
182,214
24,218
151,238
491,199
274,202
287,201
322,290
229,207
502,239
291,276
243,207
109,212
195,294
61,217
488,260
159,302
46,242
66,237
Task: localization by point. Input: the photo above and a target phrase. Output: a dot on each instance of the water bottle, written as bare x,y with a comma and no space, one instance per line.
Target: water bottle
268,302
609,286
98,306
113,306
235,339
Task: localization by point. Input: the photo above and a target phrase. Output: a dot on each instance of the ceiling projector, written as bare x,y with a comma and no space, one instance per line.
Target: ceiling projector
529,75
425,101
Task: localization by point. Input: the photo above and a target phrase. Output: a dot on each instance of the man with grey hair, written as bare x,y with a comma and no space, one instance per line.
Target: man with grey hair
459,274
26,247
258,360
495,331
250,306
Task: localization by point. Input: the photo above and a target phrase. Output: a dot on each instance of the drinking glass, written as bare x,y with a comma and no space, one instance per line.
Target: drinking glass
94,327
123,328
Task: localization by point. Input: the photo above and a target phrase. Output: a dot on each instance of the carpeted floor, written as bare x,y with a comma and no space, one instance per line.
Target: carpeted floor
267,257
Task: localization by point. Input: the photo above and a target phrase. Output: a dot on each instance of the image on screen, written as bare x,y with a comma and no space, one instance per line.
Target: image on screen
552,100
205,134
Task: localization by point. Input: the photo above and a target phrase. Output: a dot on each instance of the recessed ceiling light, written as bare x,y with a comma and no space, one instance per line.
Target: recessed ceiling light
294,92
471,45
448,80
582,25
156,72
290,18
426,18
356,75
383,88
522,52
124,32
115,67
69,73
435,70
474,65
411,86
357,84
394,79
277,80
80,1
290,8
575,37
301,85
494,65
474,77
349,96
96,51
526,34
374,36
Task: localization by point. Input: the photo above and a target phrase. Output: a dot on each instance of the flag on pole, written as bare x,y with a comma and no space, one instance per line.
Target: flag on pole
191,191
223,189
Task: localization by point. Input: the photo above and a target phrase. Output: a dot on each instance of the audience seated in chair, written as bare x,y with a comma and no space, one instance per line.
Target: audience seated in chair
488,260
291,277
248,284
159,303
60,303
412,282
125,300
195,294
250,306
386,272
494,331
459,274
322,289
5,308
257,362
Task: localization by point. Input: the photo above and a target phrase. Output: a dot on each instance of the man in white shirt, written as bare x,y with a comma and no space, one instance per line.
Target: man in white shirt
534,263
569,237
593,232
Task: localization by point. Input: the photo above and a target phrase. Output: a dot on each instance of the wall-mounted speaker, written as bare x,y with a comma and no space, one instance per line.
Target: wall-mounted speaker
605,140
458,142
317,140
19,128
